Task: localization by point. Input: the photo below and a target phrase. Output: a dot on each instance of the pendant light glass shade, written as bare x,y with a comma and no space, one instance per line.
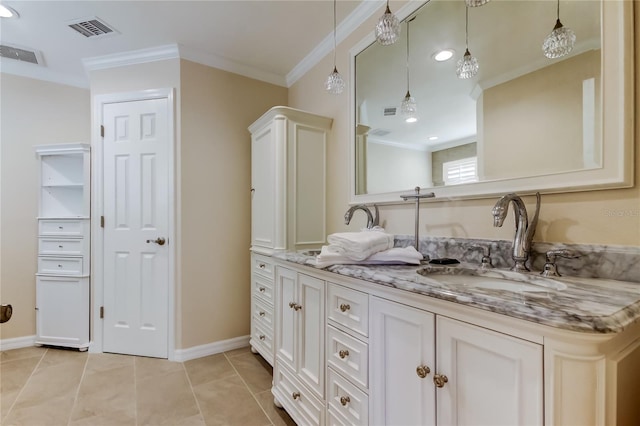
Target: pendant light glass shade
476,3
467,66
560,41
387,28
409,108
334,83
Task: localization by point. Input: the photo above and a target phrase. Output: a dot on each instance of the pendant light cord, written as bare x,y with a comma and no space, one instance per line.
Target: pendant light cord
408,54
334,34
466,27
558,10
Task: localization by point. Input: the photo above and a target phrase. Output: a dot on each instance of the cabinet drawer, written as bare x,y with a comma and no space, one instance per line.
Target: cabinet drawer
63,246
60,265
349,402
262,265
348,308
300,403
262,341
59,227
348,355
262,313
263,288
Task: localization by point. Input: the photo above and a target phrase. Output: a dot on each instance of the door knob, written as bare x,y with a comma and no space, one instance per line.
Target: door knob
159,241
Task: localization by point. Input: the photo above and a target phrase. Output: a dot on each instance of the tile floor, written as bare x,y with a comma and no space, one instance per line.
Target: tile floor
51,387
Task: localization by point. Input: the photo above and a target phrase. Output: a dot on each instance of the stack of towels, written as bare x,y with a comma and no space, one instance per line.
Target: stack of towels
366,248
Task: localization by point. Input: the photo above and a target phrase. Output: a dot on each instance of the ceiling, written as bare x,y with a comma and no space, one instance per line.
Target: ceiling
274,41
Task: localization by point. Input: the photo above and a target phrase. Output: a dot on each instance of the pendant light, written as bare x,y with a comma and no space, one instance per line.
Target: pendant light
334,83
388,28
467,66
408,107
476,3
560,41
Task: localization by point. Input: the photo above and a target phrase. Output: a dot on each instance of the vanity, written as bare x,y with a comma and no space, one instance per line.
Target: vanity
357,345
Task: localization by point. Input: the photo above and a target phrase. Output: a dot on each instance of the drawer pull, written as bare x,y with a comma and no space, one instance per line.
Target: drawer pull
262,266
60,227
343,353
295,395
262,313
262,337
345,307
422,371
440,380
59,246
261,289
59,266
344,400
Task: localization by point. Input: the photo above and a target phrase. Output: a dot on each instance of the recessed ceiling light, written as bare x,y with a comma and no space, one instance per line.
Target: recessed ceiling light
443,55
433,138
7,12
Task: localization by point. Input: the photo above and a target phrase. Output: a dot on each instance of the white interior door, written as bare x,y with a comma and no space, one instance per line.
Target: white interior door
136,224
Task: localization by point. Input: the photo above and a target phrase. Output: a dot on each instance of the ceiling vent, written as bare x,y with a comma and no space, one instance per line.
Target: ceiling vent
389,111
379,132
92,27
21,53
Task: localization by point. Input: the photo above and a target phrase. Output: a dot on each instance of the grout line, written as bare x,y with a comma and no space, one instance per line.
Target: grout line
253,395
135,389
193,392
75,398
25,385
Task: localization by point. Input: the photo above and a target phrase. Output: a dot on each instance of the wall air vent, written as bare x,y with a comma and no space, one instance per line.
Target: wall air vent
389,111
21,53
379,132
92,27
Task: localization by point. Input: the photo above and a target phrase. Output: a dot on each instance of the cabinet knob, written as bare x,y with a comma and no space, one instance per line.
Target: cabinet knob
262,313
261,289
262,266
439,380
297,307
422,371
343,353
344,400
262,337
59,246
292,304
295,395
345,307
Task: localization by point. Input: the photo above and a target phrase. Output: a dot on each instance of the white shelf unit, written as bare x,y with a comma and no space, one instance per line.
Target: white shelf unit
62,280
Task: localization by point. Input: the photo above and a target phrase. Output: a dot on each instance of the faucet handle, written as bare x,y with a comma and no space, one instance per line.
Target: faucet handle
486,255
550,269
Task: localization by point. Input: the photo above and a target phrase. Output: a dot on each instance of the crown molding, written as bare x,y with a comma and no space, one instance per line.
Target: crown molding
132,57
343,30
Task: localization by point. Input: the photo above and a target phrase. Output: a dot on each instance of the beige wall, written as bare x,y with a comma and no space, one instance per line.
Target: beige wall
595,217
34,112
217,107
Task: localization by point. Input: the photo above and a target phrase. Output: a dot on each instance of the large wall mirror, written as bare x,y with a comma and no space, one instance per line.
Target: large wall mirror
523,123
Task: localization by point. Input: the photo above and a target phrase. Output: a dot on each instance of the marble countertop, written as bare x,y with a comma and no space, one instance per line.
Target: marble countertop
582,304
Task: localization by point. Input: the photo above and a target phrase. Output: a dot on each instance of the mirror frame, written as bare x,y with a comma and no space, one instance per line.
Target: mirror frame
617,124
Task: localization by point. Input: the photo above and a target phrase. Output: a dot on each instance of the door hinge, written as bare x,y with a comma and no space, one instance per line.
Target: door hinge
102,131
101,221
101,311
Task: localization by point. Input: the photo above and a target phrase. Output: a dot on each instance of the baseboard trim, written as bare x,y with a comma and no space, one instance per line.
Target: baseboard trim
194,352
17,343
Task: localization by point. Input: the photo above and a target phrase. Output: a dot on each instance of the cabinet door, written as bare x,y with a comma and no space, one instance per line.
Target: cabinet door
285,321
311,332
263,181
493,379
401,341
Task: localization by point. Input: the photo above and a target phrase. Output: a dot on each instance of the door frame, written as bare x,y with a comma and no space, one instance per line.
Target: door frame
97,210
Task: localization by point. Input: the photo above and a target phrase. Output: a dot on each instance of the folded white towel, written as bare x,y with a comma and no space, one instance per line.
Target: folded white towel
360,245
330,255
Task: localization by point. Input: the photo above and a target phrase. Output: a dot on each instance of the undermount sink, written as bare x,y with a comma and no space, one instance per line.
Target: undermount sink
312,253
490,279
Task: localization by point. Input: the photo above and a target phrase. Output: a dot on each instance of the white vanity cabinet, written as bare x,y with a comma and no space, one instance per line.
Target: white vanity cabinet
62,279
299,373
262,314
428,369
288,180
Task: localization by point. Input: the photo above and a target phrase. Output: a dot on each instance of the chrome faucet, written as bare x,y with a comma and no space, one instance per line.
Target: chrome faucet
524,228
371,220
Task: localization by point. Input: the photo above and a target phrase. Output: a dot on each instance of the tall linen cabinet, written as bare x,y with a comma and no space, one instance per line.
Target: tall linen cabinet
288,203
62,279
